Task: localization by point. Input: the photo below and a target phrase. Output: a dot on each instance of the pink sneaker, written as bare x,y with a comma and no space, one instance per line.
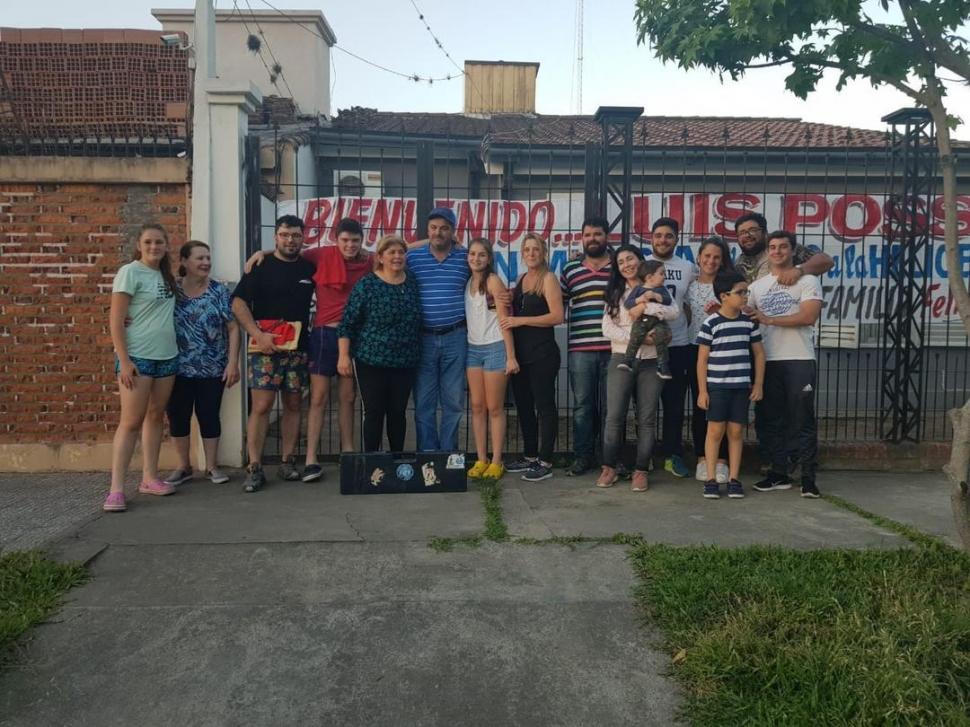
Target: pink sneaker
114,502
156,487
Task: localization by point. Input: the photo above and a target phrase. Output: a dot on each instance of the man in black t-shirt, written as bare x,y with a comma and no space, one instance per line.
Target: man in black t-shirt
280,289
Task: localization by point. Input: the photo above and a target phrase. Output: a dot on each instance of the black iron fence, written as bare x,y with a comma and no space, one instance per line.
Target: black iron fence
834,191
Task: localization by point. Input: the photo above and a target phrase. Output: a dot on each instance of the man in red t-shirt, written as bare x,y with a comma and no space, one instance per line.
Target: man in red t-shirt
339,267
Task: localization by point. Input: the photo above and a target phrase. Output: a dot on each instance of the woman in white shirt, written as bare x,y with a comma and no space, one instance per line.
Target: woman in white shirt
617,322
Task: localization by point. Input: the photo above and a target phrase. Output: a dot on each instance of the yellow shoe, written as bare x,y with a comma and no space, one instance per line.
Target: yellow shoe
495,471
478,469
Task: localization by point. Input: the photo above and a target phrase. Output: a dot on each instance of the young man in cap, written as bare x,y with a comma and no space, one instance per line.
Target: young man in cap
441,270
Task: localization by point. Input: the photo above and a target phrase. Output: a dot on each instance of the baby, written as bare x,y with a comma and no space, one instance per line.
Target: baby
652,275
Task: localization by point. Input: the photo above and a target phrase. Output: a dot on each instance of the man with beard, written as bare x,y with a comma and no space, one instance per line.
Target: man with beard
680,274
584,282
441,270
280,289
753,261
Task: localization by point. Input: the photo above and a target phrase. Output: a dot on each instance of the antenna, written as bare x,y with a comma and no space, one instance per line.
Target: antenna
578,60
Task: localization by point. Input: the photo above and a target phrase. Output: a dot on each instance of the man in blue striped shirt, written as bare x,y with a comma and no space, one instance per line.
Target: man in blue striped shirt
727,343
441,270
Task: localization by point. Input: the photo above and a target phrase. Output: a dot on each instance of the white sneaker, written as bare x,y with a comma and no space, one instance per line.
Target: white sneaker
701,473
217,476
722,473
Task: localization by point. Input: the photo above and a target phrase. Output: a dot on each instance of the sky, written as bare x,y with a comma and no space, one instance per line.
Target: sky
616,71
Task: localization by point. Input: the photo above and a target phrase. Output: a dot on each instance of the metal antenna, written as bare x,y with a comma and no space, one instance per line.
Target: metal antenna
576,91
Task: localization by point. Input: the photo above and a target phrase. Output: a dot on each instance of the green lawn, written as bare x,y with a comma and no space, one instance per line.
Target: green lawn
771,636
31,587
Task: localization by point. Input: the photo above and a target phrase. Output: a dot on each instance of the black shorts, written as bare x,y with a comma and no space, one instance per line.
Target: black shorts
323,351
729,405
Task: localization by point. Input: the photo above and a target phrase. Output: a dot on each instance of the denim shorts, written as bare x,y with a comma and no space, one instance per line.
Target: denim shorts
283,371
488,356
152,368
323,351
729,405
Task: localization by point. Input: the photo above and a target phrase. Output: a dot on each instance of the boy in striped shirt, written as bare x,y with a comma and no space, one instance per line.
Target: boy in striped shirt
727,343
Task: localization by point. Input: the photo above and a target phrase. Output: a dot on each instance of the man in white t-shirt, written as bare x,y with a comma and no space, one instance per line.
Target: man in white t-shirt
680,273
787,315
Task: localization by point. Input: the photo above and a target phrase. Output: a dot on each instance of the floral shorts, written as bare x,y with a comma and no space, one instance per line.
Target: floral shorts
279,371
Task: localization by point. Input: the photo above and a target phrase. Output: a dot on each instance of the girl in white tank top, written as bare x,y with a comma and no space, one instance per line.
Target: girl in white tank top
491,357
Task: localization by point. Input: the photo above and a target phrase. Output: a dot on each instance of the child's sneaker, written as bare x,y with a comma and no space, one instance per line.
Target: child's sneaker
156,487
521,465
810,490
711,490
114,502
663,371
773,481
735,490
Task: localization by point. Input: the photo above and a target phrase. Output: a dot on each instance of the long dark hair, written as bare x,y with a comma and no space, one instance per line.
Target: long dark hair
726,263
165,264
490,268
617,285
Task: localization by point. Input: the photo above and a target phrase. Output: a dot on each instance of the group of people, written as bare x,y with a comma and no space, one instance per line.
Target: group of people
432,319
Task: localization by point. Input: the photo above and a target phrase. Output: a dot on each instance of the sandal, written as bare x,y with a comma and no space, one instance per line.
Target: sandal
607,478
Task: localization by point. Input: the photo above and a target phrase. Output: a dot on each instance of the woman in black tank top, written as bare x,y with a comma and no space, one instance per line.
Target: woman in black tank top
537,308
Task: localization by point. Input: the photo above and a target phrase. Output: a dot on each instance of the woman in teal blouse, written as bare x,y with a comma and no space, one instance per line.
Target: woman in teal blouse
381,332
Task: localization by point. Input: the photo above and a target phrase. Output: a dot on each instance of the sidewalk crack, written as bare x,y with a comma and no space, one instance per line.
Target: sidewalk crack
352,526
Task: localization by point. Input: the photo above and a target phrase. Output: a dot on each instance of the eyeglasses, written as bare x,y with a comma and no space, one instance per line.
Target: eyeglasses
750,231
290,235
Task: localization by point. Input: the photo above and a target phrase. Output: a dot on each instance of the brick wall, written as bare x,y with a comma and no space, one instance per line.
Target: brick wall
60,245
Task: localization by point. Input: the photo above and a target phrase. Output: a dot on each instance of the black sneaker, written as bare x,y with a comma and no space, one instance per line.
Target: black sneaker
311,473
521,465
712,491
810,490
735,489
577,468
773,481
255,479
537,472
288,470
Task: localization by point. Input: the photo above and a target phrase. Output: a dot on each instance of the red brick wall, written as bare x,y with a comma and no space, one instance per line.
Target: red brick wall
60,245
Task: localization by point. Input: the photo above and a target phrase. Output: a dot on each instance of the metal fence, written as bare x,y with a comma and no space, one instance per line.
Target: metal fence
834,195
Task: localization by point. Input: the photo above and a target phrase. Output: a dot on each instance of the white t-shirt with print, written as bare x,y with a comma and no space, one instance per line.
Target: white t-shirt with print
785,343
680,274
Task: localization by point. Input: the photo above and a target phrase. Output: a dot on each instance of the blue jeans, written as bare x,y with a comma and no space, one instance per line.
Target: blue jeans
645,385
587,377
440,380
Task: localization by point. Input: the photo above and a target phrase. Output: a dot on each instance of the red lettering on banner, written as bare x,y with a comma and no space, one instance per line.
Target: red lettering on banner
910,212
871,216
641,216
548,218
510,232
963,216
701,204
410,234
795,216
387,214
675,208
471,219
315,220
730,207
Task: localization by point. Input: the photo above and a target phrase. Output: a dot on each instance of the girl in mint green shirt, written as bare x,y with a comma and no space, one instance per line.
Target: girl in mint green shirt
143,297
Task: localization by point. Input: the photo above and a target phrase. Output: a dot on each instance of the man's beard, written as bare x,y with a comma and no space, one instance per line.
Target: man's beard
288,255
755,249
595,249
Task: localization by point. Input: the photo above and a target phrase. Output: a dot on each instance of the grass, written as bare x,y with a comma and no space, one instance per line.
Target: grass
491,494
31,588
771,636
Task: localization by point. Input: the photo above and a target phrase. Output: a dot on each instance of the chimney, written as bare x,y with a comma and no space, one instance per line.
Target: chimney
500,87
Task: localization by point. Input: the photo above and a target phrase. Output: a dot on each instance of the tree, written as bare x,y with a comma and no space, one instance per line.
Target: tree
907,48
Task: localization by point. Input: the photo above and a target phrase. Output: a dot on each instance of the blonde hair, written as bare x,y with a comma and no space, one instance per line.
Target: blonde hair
539,287
383,244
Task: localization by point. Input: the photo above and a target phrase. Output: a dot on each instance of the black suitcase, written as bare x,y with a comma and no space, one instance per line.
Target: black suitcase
379,473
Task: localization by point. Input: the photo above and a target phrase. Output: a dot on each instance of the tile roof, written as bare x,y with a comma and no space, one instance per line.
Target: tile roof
670,131
83,84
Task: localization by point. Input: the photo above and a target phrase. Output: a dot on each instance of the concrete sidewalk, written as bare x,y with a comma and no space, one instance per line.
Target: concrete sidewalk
298,606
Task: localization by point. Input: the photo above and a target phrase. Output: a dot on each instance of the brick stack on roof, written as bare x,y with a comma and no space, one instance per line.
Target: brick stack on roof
91,84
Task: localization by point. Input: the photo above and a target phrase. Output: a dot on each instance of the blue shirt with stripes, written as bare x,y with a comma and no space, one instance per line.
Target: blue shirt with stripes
729,360
441,284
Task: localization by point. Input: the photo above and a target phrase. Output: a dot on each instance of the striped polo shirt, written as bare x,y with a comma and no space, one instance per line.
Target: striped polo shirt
442,285
729,361
585,291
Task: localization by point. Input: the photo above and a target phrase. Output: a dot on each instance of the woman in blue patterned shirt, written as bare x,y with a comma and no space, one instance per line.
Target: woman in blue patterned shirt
208,362
381,332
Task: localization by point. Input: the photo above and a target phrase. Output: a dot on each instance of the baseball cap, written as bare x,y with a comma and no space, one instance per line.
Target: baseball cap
445,213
